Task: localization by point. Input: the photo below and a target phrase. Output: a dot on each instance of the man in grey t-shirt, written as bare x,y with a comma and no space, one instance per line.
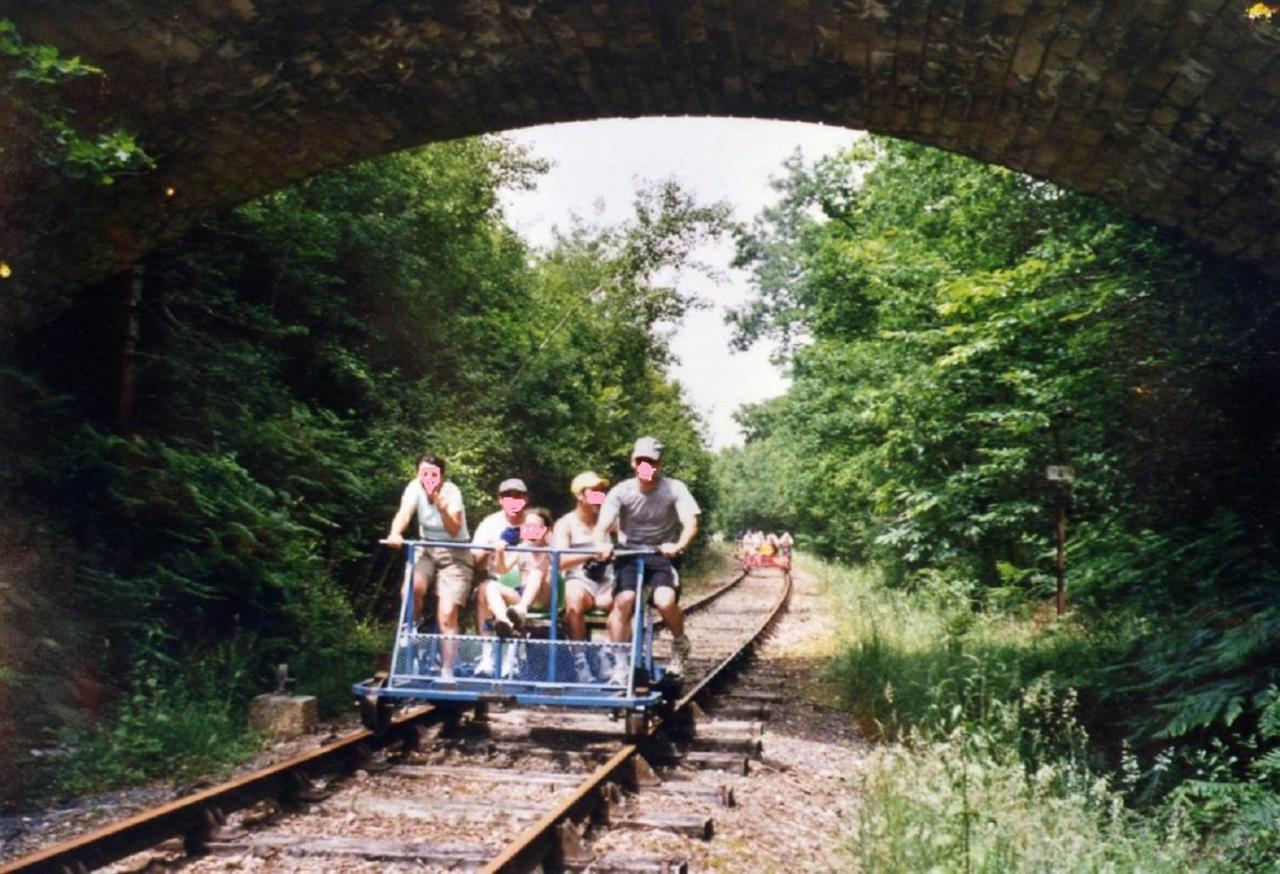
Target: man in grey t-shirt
655,511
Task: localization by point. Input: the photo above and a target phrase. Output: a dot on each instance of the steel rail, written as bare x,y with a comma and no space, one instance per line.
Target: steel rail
195,816
539,841
198,814
719,671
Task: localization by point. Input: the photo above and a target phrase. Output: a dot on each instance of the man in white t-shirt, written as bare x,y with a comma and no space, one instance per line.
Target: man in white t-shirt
441,516
654,511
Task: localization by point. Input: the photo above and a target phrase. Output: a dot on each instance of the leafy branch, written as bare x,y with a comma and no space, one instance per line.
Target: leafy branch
36,70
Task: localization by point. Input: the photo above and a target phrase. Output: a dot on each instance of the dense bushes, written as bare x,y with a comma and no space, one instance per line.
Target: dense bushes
204,454
952,329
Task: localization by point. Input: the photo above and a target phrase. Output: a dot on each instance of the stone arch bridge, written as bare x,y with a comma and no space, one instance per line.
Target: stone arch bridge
1169,109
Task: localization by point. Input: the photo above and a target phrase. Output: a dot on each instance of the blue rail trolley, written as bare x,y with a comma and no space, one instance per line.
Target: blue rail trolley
526,670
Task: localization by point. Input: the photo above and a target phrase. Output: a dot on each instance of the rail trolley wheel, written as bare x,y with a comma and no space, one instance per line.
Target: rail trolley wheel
375,712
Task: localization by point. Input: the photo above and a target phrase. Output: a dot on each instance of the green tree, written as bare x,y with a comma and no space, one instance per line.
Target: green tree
963,326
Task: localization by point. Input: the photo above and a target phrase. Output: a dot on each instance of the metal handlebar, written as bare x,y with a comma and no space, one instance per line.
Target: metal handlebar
572,550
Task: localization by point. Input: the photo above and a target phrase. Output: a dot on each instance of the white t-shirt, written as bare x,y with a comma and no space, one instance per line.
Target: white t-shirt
430,524
490,530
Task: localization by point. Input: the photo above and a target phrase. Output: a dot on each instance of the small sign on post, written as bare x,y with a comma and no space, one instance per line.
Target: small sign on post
1060,473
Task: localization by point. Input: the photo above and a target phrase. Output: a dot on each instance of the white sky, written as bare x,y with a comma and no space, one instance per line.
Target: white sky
604,162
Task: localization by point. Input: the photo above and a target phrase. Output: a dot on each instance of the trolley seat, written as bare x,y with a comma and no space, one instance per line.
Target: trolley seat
539,621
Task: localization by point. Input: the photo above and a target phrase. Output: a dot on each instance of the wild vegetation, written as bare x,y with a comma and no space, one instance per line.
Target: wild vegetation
201,456
210,449
953,329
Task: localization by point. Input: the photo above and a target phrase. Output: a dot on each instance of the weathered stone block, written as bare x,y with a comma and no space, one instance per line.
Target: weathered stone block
283,715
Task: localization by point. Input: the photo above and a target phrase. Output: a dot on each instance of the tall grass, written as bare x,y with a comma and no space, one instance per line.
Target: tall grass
180,720
176,721
985,765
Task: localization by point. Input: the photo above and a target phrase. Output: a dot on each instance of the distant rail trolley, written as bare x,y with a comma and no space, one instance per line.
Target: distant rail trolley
763,555
527,669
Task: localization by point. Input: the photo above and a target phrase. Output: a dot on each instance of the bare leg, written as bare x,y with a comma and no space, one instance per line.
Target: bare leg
484,616
539,595
619,625
664,601
447,619
421,582
577,601
499,597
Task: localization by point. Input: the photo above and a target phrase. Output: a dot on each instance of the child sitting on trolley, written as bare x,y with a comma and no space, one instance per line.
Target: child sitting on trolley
510,607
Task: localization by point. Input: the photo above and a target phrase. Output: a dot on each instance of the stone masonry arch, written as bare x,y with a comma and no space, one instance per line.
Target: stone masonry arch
1169,109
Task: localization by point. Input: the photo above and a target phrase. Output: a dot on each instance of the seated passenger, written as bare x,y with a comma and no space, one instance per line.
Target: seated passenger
503,526
588,581
510,607
770,545
785,542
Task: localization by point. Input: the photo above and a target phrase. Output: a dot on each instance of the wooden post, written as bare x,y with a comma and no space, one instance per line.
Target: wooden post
1061,476
126,387
1061,564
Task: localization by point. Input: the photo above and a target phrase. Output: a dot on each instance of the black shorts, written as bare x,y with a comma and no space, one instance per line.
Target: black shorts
659,571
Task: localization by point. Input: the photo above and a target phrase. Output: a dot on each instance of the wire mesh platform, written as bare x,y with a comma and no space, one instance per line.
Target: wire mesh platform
435,667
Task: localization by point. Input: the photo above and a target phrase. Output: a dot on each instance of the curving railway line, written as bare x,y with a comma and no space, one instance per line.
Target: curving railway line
485,787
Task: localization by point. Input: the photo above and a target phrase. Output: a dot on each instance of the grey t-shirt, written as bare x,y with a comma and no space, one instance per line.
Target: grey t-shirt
652,519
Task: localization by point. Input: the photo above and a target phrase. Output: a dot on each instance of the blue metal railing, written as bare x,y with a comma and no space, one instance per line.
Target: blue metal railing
641,628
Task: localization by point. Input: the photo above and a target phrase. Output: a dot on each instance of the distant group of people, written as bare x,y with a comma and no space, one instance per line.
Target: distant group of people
754,548
648,510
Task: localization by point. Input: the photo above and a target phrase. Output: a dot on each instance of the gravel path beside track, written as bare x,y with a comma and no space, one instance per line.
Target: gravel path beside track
795,810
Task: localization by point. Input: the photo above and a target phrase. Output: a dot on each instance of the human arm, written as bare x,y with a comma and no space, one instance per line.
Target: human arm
448,500
607,521
688,531
484,535
408,504
501,561
687,511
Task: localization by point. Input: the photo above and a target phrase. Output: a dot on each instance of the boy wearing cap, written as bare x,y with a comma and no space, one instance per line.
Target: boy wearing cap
650,510
441,516
502,525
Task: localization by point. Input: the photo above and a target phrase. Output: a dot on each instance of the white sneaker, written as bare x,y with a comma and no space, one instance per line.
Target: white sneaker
510,662
446,674
680,647
581,668
618,674
484,667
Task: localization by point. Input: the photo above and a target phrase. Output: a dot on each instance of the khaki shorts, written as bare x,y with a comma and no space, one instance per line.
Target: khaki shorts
598,584
450,568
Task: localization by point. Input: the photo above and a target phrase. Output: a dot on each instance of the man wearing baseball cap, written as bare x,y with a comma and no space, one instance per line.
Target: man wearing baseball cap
655,511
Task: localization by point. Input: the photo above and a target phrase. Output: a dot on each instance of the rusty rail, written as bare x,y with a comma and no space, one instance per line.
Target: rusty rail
543,841
195,817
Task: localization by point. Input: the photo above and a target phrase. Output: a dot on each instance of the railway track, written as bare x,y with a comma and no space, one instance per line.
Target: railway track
482,788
